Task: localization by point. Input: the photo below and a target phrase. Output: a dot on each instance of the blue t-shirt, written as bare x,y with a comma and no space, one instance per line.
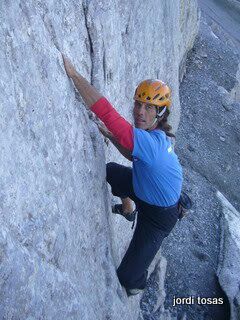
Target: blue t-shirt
157,173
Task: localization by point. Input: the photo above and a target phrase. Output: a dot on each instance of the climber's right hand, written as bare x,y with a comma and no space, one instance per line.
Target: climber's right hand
103,129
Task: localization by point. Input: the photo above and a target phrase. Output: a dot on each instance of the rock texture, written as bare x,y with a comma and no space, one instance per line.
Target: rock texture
229,259
235,4
59,245
208,147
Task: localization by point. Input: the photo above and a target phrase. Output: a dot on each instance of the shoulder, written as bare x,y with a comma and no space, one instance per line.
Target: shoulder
159,135
153,135
156,132
153,139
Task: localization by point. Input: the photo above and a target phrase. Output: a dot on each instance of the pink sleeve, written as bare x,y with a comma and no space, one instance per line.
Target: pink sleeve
120,128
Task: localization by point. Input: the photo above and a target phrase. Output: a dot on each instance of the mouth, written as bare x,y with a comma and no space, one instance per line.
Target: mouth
140,121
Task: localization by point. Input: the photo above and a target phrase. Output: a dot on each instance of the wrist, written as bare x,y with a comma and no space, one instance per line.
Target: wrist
112,138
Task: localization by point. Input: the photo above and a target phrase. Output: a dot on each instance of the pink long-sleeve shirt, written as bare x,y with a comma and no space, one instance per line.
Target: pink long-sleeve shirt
120,128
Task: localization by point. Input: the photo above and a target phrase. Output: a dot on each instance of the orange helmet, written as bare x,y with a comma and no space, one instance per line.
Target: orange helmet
154,92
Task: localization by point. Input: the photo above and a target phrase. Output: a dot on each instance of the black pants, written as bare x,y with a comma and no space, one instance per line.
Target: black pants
154,223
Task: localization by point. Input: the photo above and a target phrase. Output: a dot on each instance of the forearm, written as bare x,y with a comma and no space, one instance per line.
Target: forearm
115,123
125,152
89,94
121,129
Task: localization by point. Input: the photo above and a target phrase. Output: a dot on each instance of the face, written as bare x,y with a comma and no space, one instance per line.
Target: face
144,115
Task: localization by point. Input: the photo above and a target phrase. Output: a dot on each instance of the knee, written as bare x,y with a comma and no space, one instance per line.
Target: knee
132,280
110,167
124,278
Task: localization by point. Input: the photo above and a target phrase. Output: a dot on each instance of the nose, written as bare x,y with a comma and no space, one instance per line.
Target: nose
141,110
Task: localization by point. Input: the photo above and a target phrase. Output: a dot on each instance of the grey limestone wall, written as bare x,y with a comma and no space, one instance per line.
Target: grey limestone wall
59,245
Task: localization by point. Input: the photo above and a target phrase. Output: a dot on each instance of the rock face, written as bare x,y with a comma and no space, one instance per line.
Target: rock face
229,259
208,147
235,4
59,245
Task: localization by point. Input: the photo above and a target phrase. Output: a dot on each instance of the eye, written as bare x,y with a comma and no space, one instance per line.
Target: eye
148,107
137,104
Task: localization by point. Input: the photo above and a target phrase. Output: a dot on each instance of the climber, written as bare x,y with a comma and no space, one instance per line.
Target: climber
154,182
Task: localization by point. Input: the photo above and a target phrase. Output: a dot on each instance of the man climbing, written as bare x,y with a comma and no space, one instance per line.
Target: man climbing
155,181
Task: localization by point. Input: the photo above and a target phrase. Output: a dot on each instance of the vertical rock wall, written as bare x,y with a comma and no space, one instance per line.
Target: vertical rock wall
229,258
57,255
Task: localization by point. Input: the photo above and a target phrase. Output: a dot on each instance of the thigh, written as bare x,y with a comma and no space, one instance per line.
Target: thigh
161,218
142,249
120,179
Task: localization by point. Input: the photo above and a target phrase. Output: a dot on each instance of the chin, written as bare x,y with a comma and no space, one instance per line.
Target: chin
139,126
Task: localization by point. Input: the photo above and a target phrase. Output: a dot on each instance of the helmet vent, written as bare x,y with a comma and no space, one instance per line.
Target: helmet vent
162,98
157,95
143,94
157,88
148,98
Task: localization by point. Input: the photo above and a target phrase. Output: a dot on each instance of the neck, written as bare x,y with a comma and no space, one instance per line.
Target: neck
153,125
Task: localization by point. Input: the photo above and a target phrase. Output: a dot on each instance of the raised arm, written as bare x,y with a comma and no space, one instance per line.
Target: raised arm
116,124
88,92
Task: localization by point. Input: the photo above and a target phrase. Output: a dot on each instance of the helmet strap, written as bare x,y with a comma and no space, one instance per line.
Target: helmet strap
162,112
154,121
159,114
